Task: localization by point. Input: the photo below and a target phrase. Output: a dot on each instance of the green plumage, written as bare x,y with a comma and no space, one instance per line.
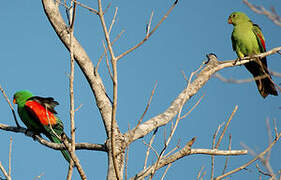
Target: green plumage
248,40
29,108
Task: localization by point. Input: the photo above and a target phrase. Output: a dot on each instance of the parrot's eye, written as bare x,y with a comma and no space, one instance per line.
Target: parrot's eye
233,15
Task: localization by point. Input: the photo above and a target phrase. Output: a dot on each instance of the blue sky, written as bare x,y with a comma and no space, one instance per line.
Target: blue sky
32,57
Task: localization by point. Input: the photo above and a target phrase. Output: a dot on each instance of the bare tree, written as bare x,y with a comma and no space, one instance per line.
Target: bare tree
117,142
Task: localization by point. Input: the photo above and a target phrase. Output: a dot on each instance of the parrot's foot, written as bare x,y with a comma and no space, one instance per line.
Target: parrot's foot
238,59
31,133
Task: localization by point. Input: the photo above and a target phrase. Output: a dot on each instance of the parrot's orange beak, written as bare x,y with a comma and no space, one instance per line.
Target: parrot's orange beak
229,20
14,101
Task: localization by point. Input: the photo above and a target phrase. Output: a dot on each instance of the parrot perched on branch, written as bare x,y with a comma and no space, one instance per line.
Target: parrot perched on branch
248,40
39,116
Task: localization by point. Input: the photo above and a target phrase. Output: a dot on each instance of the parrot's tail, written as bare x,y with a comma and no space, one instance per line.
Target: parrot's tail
65,153
263,79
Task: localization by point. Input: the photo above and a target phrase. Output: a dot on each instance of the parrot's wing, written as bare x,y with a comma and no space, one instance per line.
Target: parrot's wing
40,113
260,37
233,42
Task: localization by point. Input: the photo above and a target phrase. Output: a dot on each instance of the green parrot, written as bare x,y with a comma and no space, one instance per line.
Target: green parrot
38,114
247,40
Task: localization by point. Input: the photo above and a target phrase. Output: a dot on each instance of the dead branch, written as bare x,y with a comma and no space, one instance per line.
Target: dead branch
71,90
185,151
273,16
73,157
226,159
7,174
239,81
251,161
211,67
11,107
82,59
4,172
55,146
149,34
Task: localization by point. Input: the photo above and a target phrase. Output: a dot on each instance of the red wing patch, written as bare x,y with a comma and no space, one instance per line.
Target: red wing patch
41,113
262,40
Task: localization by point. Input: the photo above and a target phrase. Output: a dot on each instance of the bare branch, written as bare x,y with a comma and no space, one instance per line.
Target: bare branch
262,172
273,16
86,7
251,161
199,173
74,157
149,24
71,91
185,151
55,146
149,147
148,104
4,171
10,156
11,107
103,103
226,126
166,170
113,20
173,129
7,175
148,35
105,50
226,159
213,147
212,66
239,81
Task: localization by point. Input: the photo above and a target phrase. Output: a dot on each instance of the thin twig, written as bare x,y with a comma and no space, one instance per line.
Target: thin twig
193,107
4,171
12,109
80,4
149,147
261,171
275,128
226,159
39,176
71,85
199,173
169,138
202,177
105,50
148,104
269,137
149,24
273,16
113,20
107,61
174,149
240,81
213,147
127,158
10,156
147,36
251,161
226,126
73,157
165,172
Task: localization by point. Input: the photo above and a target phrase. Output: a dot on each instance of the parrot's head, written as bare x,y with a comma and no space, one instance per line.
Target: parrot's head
238,17
21,96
